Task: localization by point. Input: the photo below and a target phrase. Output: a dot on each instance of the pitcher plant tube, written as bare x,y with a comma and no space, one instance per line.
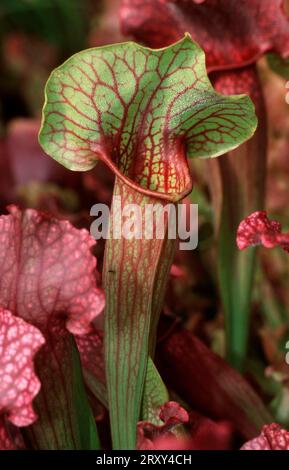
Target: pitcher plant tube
143,112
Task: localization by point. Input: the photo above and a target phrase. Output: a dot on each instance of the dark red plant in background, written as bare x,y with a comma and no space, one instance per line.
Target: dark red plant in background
208,383
27,161
234,35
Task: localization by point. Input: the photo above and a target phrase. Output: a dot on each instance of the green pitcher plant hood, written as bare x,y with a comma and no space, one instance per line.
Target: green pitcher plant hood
142,111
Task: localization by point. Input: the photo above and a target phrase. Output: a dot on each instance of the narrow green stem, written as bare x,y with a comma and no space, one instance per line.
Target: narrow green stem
134,272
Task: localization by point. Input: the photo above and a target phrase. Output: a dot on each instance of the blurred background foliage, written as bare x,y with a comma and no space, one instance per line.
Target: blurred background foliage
38,35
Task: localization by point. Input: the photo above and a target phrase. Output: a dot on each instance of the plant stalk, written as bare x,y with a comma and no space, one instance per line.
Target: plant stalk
135,277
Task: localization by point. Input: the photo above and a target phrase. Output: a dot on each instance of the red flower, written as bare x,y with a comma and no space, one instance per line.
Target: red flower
151,436
257,229
272,437
233,33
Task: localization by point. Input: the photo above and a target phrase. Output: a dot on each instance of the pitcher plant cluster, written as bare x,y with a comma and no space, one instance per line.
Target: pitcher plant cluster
105,342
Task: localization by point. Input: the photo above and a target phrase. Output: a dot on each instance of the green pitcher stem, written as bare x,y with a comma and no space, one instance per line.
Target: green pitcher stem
135,275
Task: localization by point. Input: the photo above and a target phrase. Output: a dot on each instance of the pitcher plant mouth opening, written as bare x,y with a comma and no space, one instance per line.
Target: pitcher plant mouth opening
144,228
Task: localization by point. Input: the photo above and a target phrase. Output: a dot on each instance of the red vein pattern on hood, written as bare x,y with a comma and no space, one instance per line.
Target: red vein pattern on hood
142,112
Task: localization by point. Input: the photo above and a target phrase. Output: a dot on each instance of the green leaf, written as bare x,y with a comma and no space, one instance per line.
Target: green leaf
154,396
